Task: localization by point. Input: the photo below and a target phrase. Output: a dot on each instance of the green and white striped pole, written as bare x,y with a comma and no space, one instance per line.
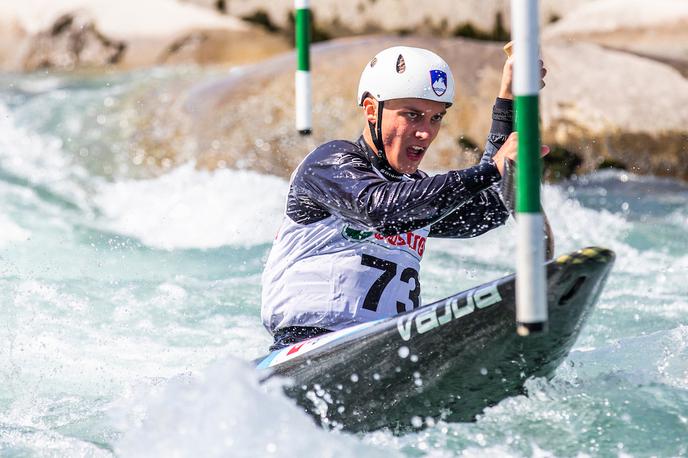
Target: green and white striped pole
531,304
303,69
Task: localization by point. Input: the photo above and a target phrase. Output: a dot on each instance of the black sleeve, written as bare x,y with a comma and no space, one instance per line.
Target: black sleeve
345,184
486,210
502,126
477,216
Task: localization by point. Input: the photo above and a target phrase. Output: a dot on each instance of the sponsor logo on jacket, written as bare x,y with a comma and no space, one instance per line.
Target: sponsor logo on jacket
411,240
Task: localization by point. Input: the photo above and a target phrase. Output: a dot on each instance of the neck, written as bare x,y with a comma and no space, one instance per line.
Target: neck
379,163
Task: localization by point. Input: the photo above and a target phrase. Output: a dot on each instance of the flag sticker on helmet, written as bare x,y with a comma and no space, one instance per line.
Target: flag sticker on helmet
438,79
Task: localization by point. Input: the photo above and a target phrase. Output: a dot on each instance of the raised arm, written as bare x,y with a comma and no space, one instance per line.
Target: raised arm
333,180
486,210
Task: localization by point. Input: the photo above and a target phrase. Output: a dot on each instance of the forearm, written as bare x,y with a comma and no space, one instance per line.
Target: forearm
400,207
483,213
502,126
390,207
334,181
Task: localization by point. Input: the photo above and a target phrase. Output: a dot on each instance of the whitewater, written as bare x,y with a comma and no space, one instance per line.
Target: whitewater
130,303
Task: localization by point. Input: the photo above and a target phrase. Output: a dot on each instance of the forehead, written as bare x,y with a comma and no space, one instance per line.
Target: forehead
422,105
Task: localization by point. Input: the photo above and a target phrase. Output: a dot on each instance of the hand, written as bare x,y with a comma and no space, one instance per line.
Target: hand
505,91
510,150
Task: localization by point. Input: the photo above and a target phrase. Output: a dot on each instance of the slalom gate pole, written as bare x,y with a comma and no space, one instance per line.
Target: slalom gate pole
531,304
302,78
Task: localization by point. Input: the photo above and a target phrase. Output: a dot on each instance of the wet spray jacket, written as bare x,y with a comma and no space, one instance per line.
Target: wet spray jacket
355,230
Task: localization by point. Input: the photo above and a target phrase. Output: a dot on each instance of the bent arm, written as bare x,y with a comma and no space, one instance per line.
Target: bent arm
487,210
346,185
483,213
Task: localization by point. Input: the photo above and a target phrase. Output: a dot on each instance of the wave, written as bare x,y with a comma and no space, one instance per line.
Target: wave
189,208
10,232
224,411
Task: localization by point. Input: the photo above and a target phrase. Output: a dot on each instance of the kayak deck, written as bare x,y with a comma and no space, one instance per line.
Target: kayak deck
450,359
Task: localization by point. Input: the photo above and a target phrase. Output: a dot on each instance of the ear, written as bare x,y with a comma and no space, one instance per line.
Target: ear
370,109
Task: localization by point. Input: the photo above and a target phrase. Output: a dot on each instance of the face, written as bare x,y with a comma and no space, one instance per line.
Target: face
409,126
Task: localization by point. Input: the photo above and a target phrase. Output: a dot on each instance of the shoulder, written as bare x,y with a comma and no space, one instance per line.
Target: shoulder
334,154
335,150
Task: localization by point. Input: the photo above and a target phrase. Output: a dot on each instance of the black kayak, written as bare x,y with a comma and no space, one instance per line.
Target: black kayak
450,359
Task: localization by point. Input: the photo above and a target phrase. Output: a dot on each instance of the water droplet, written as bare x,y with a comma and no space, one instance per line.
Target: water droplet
354,378
414,358
403,352
483,371
416,421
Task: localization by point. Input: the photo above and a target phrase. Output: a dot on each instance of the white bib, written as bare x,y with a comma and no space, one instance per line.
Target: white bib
331,275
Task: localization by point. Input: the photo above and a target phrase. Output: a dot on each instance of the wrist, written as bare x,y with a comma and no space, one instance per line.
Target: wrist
495,162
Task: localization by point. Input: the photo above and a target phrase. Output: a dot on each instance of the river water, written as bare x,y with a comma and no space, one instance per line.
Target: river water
129,303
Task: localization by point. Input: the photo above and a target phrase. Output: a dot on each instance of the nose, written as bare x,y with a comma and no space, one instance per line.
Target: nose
422,134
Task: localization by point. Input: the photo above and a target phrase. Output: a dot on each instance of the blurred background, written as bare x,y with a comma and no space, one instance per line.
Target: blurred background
615,93
145,148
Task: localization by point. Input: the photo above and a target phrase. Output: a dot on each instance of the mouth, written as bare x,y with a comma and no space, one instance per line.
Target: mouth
415,152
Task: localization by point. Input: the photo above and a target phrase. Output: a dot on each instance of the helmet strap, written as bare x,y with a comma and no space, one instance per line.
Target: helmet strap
376,132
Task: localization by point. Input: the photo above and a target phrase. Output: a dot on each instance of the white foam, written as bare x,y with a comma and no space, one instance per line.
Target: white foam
40,161
10,232
574,227
48,444
189,208
659,357
224,411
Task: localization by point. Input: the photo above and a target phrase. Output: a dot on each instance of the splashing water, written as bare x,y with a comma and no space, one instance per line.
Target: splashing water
129,304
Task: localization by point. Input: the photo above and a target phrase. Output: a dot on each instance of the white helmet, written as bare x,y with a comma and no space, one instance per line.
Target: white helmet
405,72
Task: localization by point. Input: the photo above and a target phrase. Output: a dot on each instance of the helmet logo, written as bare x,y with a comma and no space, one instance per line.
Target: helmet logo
373,62
438,80
401,64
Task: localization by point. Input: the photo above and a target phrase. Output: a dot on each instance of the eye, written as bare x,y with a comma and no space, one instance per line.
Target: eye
412,115
437,117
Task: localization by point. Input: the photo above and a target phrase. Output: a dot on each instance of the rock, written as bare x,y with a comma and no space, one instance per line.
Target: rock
611,106
73,41
657,29
247,120
70,34
333,18
590,109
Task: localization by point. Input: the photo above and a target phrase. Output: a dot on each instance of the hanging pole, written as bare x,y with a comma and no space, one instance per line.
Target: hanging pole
303,70
531,304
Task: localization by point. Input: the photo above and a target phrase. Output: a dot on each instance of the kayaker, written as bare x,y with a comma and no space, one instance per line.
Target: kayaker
358,213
